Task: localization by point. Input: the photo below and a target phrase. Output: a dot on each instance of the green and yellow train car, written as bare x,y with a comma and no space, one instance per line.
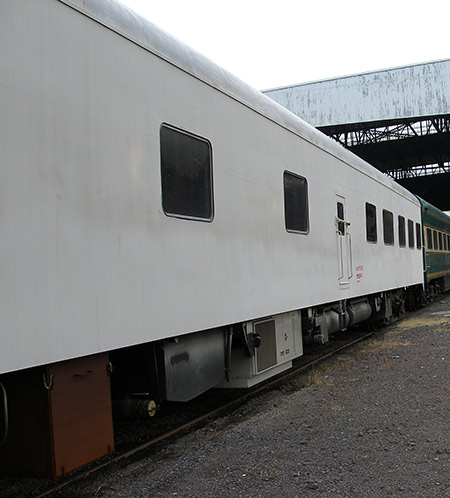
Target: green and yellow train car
436,243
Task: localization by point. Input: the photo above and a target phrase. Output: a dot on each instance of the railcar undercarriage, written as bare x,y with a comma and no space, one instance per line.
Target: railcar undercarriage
72,397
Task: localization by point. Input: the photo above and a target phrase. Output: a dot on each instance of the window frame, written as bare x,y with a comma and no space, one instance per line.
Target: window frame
391,227
180,215
401,231
287,173
429,238
411,242
419,243
435,240
374,238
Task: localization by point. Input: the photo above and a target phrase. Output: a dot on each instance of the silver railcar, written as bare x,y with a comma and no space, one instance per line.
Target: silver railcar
158,214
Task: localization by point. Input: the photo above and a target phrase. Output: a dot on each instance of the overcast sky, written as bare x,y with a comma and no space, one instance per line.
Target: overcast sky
282,42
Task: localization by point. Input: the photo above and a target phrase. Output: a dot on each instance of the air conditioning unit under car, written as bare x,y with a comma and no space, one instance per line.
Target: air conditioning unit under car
281,342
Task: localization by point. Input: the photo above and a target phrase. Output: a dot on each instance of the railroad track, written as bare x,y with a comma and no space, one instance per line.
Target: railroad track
305,365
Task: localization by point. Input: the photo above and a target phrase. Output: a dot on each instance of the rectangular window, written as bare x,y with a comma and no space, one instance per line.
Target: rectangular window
401,231
435,240
388,227
418,236
410,233
440,241
444,240
186,175
340,218
295,203
371,222
429,239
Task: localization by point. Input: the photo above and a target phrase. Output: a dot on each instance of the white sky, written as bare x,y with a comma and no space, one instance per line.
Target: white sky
282,42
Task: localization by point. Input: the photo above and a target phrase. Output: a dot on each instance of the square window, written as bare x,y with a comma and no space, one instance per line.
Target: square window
186,175
295,203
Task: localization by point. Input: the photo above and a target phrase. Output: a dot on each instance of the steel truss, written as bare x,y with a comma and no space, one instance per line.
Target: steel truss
417,171
397,131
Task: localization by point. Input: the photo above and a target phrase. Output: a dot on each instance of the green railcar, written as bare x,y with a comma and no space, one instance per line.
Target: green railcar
436,244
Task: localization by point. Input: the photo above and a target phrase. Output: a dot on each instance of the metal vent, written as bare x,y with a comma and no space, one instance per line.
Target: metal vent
266,355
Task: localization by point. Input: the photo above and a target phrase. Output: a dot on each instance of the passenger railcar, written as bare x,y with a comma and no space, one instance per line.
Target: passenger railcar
436,228
167,228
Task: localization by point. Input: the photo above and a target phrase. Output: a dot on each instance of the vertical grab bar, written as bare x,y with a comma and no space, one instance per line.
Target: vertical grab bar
5,413
350,255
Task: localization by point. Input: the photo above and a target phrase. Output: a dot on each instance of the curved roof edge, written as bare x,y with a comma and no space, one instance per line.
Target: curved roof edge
147,35
435,213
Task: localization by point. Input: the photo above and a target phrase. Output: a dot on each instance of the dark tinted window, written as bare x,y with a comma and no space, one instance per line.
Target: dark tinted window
440,241
401,231
418,236
340,218
429,239
186,175
435,240
410,233
388,227
295,203
371,222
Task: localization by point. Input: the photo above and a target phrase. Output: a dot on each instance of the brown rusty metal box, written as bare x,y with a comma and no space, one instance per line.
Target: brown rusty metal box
59,417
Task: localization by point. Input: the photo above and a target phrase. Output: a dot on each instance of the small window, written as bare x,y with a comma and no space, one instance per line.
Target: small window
429,239
435,240
445,241
295,203
418,236
388,227
340,218
448,242
371,222
410,234
401,231
440,241
186,175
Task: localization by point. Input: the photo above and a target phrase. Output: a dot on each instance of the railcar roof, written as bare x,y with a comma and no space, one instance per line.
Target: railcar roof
434,216
139,30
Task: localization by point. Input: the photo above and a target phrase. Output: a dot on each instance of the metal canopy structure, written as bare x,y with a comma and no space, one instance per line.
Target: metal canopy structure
397,119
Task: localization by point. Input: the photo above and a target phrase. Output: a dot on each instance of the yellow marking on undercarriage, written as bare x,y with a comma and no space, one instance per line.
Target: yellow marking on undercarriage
438,273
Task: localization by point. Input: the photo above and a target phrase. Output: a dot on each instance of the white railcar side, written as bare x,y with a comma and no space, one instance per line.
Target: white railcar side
91,262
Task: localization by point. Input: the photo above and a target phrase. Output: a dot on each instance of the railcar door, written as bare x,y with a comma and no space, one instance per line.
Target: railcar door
344,244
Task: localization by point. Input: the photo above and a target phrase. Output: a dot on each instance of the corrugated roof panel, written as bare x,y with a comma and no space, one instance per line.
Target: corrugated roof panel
419,90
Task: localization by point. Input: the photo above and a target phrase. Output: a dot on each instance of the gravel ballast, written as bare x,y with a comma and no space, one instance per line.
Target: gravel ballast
373,422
